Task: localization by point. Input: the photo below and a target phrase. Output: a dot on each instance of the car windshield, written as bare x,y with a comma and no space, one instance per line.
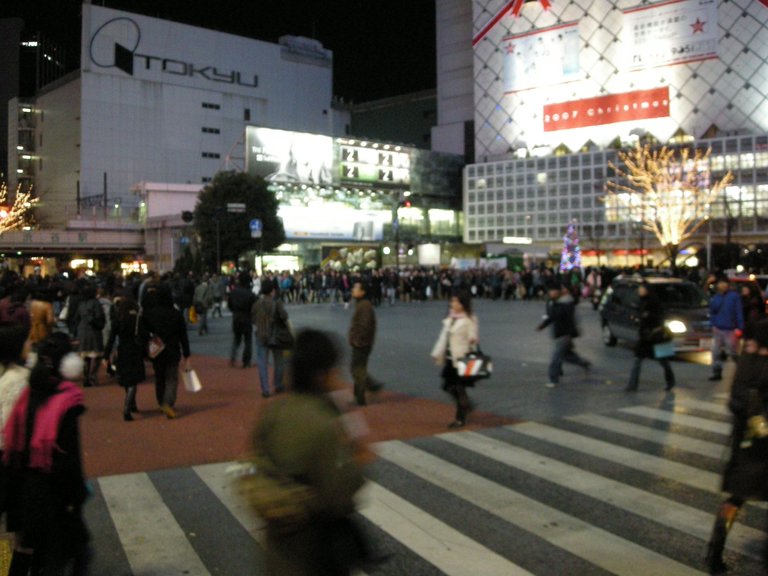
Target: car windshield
680,295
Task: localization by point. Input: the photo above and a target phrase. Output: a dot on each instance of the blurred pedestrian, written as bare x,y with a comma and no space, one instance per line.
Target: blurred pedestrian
746,473
651,331
164,320
41,316
202,301
14,379
457,337
726,315
42,445
90,321
240,303
301,440
126,332
268,314
561,314
361,336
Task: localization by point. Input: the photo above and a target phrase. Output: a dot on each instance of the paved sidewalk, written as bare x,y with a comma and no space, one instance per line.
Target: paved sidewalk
214,424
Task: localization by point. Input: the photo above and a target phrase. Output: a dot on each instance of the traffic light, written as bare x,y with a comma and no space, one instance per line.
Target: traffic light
406,203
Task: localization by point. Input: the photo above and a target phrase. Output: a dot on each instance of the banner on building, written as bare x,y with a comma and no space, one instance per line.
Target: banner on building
541,58
670,33
625,107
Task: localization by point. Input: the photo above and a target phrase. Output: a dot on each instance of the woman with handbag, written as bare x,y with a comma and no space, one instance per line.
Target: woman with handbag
651,331
164,322
746,473
125,331
458,336
272,335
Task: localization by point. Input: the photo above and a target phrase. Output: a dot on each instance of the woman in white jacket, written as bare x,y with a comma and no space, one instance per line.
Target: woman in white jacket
458,336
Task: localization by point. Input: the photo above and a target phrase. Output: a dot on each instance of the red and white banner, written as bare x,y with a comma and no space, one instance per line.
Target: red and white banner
629,106
673,32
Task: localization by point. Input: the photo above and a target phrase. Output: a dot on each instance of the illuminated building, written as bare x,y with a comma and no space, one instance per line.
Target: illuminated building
558,86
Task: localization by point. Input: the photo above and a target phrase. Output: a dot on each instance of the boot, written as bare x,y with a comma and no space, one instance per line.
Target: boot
717,374
725,517
87,372
130,403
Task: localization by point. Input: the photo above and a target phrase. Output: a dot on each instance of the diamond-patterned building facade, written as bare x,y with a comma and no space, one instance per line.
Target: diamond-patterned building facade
547,122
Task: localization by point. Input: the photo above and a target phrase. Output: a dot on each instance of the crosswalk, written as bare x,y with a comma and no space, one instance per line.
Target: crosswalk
628,492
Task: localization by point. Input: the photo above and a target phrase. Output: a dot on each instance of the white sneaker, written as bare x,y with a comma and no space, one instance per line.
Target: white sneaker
551,384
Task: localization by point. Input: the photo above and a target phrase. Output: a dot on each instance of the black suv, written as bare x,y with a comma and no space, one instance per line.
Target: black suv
686,311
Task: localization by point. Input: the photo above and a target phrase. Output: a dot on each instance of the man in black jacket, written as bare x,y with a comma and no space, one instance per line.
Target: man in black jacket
240,302
561,314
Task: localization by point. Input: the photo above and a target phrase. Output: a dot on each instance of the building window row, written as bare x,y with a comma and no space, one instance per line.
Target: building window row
211,106
211,155
209,130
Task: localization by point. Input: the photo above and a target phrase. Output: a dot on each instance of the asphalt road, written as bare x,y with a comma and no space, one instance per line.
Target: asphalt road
406,334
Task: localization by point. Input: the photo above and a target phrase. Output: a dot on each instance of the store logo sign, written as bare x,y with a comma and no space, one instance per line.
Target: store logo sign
629,106
115,45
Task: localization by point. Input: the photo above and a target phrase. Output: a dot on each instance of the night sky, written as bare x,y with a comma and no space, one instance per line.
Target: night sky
380,48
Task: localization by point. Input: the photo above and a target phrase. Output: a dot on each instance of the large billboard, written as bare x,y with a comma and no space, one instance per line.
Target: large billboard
548,74
290,157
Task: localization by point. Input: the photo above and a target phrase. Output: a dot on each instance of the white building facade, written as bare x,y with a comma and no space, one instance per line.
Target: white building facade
160,101
558,85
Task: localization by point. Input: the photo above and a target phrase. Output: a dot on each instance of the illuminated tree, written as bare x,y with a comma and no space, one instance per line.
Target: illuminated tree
571,254
17,213
668,191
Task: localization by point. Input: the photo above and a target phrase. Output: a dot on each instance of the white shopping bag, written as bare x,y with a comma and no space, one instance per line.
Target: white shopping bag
191,381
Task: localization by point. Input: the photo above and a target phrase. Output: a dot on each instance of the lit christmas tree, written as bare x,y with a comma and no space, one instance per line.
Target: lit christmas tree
16,214
571,255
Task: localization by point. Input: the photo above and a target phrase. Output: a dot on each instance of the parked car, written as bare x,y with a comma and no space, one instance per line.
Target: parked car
686,311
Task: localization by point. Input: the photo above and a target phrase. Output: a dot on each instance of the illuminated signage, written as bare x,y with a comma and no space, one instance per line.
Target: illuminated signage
638,105
373,165
333,221
291,157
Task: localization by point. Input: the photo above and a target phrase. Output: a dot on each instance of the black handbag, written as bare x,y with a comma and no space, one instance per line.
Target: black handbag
474,366
280,336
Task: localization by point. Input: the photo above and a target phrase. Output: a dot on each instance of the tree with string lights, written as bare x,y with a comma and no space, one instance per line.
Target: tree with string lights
669,191
18,212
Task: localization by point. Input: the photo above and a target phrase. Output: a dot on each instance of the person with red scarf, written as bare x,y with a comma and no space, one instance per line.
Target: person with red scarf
42,446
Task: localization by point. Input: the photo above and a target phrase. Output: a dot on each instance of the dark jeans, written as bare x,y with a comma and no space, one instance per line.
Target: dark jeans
242,333
166,382
360,377
634,376
564,352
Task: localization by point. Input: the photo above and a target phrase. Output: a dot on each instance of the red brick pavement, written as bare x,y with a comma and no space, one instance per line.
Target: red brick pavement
214,424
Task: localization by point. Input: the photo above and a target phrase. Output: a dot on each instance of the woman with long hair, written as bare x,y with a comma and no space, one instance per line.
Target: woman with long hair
42,446
125,330
459,334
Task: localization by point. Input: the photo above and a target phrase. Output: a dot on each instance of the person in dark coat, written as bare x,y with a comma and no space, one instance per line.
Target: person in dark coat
362,334
42,445
561,314
164,320
125,331
265,312
90,320
240,303
746,473
651,332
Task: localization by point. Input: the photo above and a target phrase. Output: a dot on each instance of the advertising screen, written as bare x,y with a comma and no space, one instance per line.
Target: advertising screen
291,157
333,221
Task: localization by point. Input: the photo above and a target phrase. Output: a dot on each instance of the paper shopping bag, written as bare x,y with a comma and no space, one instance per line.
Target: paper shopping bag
191,381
